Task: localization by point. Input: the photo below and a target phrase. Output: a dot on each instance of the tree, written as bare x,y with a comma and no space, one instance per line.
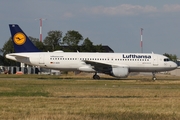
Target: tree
53,40
38,43
72,39
34,40
99,48
171,56
8,48
87,46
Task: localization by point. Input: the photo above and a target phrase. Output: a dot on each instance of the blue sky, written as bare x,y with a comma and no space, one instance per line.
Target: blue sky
115,23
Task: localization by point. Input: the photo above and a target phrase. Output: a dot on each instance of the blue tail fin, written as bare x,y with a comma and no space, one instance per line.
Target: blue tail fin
20,41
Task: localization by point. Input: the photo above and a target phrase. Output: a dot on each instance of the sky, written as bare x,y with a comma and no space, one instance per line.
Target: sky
115,23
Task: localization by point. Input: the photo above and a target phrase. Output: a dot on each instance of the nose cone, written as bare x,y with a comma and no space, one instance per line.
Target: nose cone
173,65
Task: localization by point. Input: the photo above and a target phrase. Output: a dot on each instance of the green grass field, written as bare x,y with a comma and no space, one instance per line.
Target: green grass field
45,97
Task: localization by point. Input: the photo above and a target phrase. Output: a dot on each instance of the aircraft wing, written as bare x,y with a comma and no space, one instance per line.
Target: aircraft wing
103,67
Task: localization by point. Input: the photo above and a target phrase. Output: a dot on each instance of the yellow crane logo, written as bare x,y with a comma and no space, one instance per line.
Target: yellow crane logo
19,38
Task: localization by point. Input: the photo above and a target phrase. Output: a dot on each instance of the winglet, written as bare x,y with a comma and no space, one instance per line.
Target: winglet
20,40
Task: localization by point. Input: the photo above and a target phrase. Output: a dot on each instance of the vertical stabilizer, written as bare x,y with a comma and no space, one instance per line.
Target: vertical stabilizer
20,40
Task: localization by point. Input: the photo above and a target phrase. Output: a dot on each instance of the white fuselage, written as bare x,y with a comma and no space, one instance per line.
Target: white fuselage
71,61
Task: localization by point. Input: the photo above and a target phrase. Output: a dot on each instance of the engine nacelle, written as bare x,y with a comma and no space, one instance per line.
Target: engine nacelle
121,72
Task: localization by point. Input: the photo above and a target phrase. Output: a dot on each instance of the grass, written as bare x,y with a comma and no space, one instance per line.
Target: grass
34,97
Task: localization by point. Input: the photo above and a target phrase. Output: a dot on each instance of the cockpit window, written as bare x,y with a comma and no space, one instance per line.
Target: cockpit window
166,59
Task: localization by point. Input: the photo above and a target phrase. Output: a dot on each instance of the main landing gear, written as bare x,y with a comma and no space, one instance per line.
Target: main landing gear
95,76
154,76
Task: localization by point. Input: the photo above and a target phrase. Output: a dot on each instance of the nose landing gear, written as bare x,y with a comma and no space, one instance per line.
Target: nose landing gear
154,76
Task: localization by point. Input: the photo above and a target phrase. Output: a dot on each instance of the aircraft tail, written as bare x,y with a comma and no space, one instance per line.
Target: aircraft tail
20,40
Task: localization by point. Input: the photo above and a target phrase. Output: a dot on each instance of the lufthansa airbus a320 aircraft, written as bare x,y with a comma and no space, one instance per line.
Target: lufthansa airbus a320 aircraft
114,64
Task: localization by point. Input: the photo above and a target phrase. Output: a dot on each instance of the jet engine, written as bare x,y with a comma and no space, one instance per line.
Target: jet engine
121,72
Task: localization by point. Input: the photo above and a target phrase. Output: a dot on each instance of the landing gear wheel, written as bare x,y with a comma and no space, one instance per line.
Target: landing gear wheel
96,77
154,76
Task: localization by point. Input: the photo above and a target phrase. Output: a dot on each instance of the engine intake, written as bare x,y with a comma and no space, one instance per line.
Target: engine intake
121,72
